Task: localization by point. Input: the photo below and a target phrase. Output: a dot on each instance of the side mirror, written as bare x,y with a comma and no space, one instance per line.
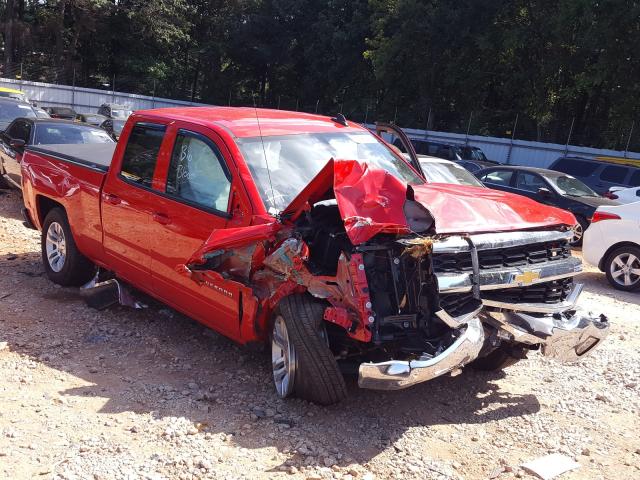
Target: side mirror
544,192
17,144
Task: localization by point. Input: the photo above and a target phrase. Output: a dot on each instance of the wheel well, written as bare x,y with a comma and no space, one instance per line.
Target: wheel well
44,205
611,249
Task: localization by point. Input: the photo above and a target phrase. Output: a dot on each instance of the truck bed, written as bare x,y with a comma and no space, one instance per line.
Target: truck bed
94,156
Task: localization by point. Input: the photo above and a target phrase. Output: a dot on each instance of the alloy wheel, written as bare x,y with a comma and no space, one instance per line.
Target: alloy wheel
625,269
283,358
577,232
56,247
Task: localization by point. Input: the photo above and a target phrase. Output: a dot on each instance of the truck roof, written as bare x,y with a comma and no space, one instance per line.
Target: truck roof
242,122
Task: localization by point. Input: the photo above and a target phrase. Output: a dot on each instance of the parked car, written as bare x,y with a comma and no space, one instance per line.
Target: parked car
14,94
11,109
472,158
26,132
113,127
94,119
624,195
41,113
439,170
549,187
474,166
612,244
113,110
599,175
64,113
243,220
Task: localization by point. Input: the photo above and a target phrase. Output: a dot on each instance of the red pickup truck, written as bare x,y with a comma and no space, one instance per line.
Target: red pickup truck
317,236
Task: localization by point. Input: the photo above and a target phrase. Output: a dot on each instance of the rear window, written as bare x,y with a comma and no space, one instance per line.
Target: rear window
498,177
635,179
139,160
577,168
62,133
614,174
62,111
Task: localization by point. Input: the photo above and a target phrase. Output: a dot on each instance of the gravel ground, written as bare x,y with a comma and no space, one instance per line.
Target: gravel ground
151,394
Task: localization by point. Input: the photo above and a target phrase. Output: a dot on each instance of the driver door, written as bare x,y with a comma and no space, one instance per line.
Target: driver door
21,130
529,185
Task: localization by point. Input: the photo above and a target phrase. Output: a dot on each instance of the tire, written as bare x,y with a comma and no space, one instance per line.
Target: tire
501,358
302,363
579,229
622,268
69,267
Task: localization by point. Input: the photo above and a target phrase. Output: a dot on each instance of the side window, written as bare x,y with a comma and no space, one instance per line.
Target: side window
197,173
529,182
635,179
20,130
498,177
139,160
577,168
614,174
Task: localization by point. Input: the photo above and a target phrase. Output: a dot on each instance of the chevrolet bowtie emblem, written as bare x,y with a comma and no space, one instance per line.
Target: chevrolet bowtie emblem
527,277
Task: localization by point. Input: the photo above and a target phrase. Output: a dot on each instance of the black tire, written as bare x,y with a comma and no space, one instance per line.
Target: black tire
502,357
317,376
608,267
584,224
75,269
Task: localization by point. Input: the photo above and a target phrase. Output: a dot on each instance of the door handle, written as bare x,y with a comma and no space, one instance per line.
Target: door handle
161,218
112,199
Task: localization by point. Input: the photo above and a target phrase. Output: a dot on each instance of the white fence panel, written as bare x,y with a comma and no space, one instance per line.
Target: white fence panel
518,152
86,100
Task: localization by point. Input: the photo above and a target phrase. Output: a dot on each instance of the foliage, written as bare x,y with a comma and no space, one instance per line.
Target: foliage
470,64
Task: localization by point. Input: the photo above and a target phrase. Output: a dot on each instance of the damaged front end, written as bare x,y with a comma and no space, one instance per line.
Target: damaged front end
403,304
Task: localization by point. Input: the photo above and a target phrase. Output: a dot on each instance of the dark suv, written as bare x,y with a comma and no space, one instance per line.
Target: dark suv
600,175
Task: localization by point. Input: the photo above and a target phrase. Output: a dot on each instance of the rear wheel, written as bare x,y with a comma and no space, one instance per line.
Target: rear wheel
63,262
622,267
302,363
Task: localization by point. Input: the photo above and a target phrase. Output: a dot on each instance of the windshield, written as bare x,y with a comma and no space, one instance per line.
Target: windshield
441,172
10,111
295,159
119,113
52,134
567,185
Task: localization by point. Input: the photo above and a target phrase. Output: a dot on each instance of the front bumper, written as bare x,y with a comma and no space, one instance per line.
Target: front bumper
564,337
398,374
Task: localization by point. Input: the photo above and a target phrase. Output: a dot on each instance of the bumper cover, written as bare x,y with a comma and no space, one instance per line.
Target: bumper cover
398,374
563,337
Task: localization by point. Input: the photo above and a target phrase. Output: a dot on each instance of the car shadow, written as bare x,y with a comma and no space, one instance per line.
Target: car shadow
12,203
156,361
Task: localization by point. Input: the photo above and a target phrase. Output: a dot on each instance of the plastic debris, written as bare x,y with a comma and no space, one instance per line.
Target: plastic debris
550,466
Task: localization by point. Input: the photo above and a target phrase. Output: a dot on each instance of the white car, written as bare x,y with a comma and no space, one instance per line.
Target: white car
439,170
612,243
624,195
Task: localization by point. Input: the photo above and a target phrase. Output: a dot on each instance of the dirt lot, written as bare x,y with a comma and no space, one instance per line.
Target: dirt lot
151,394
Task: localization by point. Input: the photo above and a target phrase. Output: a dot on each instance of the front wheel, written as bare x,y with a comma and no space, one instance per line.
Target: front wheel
63,262
302,363
578,231
622,267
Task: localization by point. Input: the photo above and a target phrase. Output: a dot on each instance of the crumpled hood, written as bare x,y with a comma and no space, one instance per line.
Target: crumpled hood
467,209
371,201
